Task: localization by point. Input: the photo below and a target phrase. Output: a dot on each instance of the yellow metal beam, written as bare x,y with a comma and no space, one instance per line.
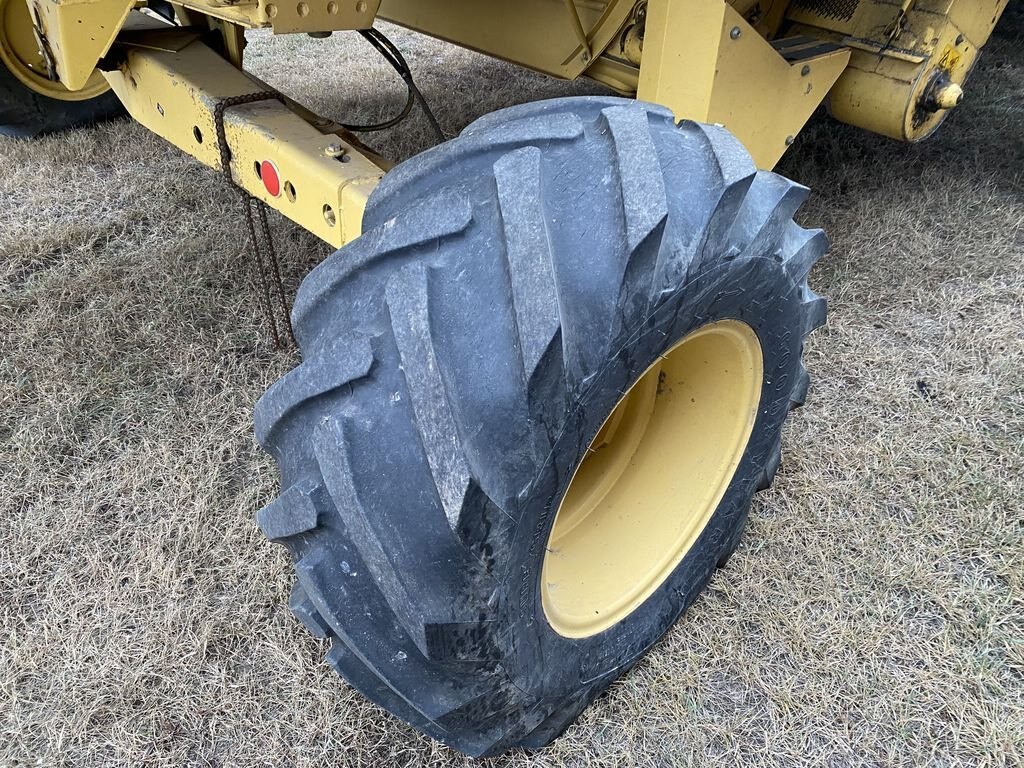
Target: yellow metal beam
680,55
323,179
78,33
286,16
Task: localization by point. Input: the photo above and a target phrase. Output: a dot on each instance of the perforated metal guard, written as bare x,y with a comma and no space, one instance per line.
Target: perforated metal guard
842,10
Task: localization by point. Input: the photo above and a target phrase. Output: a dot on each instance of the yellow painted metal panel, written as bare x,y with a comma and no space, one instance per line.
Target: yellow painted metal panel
79,33
540,34
28,57
319,15
763,98
976,19
705,62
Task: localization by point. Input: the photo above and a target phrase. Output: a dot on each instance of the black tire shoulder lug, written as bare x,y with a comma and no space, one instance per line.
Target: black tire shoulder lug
291,513
335,364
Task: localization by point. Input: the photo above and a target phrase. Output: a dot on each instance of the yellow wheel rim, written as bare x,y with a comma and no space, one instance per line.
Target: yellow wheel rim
19,52
651,479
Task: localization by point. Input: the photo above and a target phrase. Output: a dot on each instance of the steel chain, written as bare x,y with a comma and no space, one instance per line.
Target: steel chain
250,202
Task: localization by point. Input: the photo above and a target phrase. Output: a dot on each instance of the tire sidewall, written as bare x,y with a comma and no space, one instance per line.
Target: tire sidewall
756,291
25,114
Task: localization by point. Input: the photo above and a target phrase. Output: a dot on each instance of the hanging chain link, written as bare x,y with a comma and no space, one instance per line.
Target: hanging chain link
253,206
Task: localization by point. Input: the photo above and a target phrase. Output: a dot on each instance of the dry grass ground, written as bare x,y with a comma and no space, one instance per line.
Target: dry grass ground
874,614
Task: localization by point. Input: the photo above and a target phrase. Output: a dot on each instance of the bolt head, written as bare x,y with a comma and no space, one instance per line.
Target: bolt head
949,96
334,150
735,33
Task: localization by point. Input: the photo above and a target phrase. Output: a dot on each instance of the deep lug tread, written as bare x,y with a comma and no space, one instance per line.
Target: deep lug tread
414,180
409,311
389,654
585,108
815,311
347,664
644,208
722,221
771,467
766,214
723,152
527,254
644,203
804,247
733,543
800,389
432,598
423,227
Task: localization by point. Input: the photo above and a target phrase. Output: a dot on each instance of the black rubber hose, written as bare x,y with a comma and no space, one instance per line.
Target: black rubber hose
394,57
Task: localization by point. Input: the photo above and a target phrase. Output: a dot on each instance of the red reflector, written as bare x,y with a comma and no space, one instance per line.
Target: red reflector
268,172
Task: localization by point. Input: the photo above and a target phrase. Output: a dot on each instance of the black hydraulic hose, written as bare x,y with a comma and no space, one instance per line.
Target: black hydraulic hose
394,57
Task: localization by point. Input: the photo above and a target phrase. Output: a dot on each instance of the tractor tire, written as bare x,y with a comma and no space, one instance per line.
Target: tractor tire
483,553
44,106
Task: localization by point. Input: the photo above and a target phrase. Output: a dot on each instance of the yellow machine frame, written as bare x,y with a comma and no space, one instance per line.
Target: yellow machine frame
760,67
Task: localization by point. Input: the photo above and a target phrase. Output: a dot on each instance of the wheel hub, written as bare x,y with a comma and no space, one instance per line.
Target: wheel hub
651,479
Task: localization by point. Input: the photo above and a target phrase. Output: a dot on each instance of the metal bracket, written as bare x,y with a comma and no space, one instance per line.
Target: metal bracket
74,53
705,62
577,28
